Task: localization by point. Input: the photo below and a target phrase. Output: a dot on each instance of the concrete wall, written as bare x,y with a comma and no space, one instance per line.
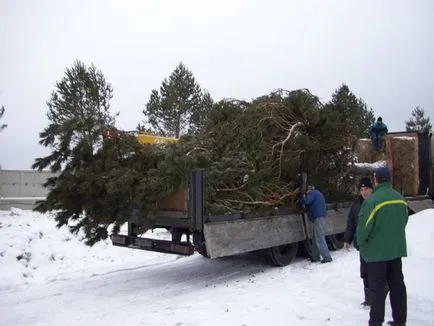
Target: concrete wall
22,188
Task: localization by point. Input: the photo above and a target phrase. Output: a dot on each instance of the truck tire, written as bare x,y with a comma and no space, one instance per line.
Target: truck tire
281,255
199,244
335,241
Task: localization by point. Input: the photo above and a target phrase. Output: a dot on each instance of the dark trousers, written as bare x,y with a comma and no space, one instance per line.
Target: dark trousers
364,272
377,141
379,274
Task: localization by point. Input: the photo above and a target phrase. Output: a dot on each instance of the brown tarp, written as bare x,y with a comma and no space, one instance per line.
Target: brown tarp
176,201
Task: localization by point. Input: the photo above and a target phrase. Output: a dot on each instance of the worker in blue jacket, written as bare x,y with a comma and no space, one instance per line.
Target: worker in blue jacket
316,209
376,132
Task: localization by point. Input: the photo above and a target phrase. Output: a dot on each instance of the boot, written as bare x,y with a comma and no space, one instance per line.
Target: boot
367,301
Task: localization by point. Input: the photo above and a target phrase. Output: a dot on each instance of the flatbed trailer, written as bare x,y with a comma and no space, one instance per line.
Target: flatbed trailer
279,237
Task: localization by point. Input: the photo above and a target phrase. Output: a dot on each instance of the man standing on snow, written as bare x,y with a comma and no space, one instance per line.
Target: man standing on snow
365,190
382,242
316,208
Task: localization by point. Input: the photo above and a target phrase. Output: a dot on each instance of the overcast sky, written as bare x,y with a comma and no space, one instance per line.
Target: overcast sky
383,50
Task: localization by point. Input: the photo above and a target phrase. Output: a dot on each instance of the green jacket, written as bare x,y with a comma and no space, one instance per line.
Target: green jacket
381,228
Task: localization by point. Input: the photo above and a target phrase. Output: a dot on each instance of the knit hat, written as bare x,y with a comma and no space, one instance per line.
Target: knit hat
365,182
382,174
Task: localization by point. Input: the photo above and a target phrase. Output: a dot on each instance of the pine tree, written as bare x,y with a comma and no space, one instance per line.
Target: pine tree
355,115
178,107
418,122
253,154
78,115
2,111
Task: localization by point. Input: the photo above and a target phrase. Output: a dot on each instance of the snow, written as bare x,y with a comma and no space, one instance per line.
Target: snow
59,280
405,138
372,166
34,251
22,198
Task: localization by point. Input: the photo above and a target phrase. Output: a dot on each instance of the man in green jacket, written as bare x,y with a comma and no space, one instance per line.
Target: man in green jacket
382,242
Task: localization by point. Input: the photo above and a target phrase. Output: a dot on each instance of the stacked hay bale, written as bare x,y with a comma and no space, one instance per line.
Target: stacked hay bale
364,151
403,152
367,160
401,156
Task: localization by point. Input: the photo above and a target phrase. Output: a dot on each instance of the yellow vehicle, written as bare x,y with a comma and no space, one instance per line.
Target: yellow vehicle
151,139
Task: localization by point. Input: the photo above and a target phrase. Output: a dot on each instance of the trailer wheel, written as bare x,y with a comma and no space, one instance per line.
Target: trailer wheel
335,241
281,255
199,244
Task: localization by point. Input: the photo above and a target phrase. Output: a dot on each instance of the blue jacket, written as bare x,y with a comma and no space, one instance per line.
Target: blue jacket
378,128
316,204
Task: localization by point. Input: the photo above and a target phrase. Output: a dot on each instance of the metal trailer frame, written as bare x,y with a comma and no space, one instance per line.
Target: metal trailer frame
280,236
223,235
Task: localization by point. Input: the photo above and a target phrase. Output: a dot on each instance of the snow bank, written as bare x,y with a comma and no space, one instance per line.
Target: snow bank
33,250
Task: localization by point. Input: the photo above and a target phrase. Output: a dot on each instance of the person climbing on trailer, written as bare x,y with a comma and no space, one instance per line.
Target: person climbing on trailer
376,132
316,208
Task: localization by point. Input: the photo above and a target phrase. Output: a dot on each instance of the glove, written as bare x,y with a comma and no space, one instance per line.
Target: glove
301,200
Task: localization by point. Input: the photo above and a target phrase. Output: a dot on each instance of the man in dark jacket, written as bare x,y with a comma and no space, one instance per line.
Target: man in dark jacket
376,132
316,207
365,188
382,242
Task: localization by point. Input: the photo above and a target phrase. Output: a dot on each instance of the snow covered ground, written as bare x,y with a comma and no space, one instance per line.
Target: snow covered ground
49,277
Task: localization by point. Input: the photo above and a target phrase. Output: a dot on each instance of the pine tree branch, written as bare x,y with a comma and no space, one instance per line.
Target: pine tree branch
282,144
196,149
271,202
231,189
